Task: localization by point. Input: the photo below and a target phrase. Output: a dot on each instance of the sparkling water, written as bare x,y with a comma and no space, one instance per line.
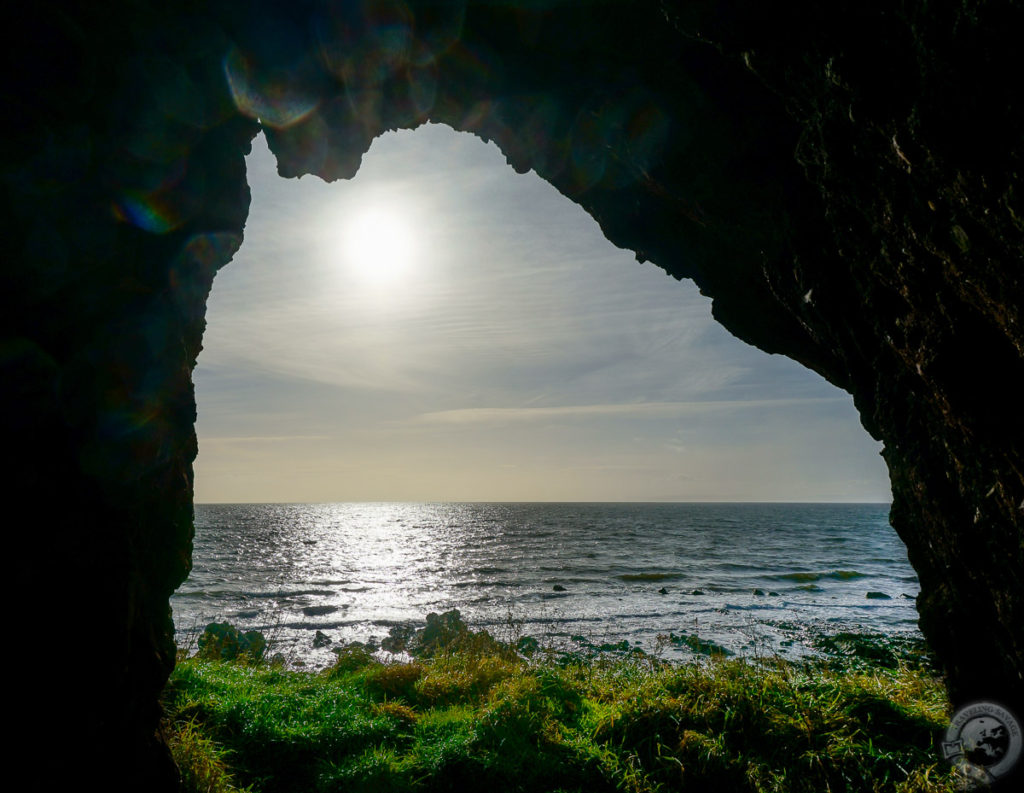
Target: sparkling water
748,577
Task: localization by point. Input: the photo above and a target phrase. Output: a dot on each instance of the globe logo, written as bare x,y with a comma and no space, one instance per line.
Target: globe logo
983,742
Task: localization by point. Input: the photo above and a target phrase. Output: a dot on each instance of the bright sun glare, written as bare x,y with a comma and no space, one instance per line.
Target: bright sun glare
379,246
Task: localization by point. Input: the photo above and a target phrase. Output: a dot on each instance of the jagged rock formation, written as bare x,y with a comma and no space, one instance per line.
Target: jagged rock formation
844,179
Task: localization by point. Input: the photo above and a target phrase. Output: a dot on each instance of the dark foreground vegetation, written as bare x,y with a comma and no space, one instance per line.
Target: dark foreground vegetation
468,713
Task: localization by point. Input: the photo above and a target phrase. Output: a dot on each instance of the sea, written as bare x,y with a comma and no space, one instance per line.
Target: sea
747,578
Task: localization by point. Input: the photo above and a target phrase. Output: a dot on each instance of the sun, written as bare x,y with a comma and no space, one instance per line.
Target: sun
379,246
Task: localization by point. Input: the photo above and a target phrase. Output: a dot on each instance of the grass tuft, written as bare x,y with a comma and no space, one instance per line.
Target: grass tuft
201,763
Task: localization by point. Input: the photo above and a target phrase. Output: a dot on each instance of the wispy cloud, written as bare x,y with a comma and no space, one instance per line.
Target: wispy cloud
263,438
638,409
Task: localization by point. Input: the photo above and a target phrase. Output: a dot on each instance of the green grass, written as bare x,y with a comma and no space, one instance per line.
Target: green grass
479,717
202,763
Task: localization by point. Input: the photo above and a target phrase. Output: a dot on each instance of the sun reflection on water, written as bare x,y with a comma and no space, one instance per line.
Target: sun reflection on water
604,571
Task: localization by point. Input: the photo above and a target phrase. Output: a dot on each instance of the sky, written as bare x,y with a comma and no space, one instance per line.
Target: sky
440,328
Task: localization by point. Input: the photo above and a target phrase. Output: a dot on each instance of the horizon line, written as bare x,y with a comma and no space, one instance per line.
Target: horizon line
545,501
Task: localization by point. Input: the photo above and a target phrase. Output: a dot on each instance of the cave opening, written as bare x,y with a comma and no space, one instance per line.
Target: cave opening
512,355
516,303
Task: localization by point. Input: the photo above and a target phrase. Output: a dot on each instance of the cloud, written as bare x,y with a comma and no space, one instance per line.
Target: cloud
636,410
263,438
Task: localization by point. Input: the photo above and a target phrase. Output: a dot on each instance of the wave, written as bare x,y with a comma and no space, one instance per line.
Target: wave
648,576
319,611
253,595
839,575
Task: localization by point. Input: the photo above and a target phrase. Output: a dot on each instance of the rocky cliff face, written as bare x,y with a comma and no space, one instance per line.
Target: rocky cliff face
843,179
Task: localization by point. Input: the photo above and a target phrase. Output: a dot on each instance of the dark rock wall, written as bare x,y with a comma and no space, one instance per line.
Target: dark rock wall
843,180
912,135
124,190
